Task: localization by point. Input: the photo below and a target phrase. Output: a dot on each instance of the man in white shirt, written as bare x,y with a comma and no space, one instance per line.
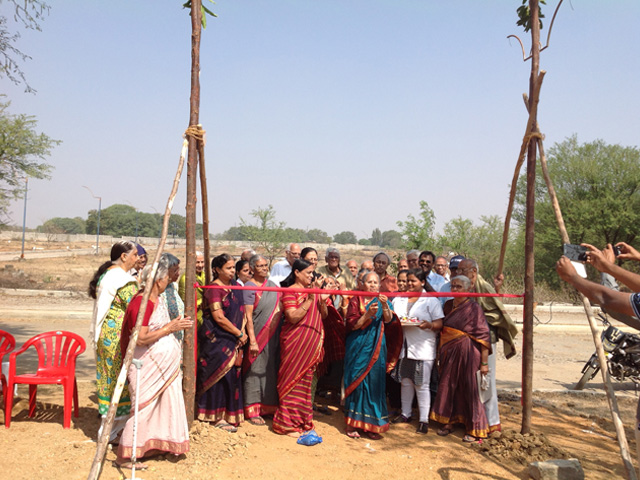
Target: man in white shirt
426,261
282,269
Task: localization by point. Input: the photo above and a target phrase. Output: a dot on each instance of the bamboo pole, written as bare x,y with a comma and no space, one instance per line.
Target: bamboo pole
602,360
101,449
189,378
205,212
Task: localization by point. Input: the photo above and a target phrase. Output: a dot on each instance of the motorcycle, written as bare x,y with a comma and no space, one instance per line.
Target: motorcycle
623,356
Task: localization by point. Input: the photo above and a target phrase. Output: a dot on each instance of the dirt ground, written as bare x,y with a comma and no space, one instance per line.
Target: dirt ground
565,424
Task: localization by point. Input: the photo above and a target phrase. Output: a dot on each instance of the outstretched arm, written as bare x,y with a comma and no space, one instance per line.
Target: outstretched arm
603,296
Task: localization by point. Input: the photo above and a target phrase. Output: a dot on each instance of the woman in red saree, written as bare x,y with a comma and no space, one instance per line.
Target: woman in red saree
301,350
464,349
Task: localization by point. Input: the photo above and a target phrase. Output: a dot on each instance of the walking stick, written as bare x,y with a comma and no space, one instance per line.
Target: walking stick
134,454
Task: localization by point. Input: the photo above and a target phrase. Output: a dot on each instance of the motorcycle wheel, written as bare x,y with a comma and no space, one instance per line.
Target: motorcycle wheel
588,374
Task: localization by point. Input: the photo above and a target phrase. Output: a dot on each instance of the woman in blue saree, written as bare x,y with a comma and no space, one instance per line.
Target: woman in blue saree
220,340
365,362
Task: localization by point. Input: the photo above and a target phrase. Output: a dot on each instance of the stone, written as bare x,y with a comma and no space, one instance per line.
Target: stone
556,470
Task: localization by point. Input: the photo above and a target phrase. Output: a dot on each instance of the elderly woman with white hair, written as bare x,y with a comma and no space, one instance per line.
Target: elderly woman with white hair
162,423
365,362
465,344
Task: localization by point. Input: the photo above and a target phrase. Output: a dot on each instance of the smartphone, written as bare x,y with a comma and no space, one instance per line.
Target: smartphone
575,253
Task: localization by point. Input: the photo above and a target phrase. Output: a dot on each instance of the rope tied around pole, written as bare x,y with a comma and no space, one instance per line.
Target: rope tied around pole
197,133
533,135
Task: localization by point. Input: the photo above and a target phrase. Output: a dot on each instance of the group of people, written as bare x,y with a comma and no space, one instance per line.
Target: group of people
375,339
265,353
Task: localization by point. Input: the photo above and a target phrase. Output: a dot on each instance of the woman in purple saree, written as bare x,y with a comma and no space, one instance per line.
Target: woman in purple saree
220,340
464,349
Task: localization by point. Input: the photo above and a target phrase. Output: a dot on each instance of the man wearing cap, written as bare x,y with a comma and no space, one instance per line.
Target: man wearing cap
453,268
282,269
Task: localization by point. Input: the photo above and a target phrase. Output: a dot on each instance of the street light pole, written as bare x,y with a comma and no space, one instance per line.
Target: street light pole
24,216
98,225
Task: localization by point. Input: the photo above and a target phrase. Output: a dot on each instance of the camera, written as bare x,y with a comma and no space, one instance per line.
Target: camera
575,253
616,250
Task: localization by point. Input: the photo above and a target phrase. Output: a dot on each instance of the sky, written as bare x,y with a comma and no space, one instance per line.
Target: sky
342,115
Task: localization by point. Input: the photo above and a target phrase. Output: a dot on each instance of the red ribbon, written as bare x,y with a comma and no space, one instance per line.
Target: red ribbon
358,293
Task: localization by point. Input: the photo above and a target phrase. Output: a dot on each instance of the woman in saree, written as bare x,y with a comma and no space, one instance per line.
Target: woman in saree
365,362
301,350
162,422
175,305
330,371
260,366
465,344
220,340
112,287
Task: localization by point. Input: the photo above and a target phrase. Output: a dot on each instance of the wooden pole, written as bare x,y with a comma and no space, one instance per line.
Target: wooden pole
205,213
529,262
189,378
101,449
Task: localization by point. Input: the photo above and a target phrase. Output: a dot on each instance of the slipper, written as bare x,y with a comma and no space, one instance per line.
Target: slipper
258,420
353,434
373,435
471,439
127,465
294,434
443,432
322,409
227,427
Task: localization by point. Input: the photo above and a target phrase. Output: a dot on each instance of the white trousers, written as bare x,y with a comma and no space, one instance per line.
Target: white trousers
491,405
407,390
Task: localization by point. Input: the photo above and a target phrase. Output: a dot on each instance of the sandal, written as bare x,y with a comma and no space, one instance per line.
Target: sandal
353,434
257,420
373,435
471,439
227,427
444,431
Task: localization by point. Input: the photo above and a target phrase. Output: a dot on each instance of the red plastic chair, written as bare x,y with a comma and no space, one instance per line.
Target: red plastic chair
57,353
7,344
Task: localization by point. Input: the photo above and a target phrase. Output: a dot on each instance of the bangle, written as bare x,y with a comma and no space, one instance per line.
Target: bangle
484,364
240,336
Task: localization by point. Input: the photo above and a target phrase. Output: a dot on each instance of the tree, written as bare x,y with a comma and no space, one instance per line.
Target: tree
29,13
376,237
479,242
316,235
63,225
391,239
345,238
418,232
266,232
598,188
22,154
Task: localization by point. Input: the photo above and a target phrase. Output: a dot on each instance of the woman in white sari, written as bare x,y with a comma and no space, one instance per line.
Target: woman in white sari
162,422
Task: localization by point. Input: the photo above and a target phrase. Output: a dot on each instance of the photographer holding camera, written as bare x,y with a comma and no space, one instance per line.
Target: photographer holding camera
624,306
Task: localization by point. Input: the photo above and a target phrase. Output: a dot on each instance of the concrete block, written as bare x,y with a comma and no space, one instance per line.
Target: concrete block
556,470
